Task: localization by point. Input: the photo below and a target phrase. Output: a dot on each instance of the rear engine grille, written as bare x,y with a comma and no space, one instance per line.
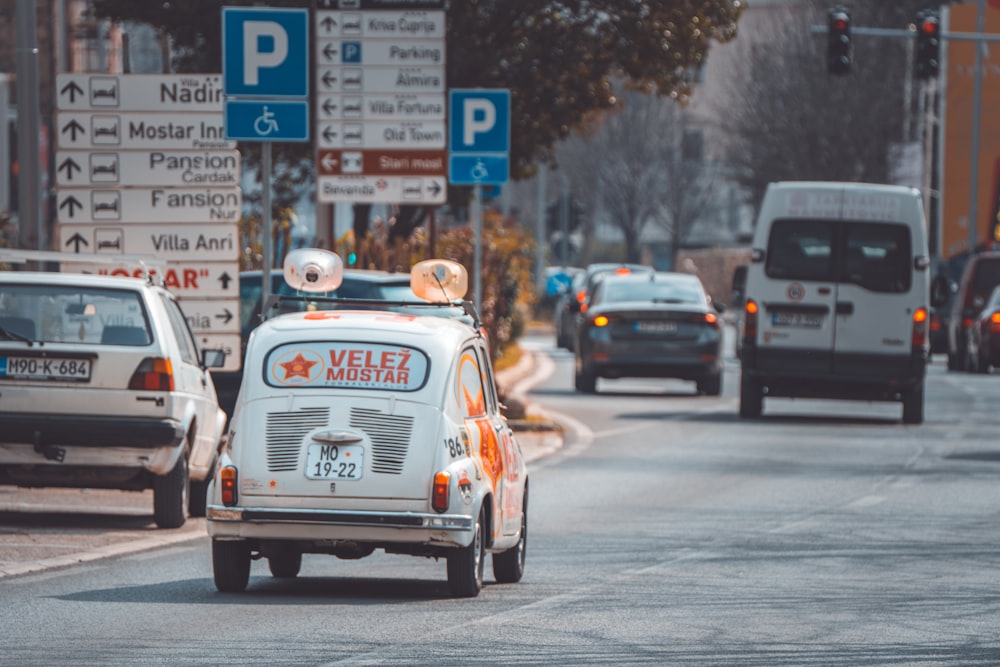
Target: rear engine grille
285,431
390,437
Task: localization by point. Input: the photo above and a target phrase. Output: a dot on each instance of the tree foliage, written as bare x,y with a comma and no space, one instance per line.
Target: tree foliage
556,56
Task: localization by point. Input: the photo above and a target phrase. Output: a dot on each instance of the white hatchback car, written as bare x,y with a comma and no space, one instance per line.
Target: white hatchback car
102,386
369,428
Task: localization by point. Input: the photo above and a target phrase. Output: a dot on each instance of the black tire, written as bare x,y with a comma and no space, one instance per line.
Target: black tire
285,565
585,381
198,497
913,406
711,385
231,565
170,495
751,398
508,566
465,564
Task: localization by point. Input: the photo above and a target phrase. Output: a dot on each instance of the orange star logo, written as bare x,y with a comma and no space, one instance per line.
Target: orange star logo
298,367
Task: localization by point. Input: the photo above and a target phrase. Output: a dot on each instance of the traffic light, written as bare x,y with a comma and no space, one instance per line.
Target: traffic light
928,51
838,42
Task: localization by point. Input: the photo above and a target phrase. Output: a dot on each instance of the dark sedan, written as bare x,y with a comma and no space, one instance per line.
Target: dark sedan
984,336
657,325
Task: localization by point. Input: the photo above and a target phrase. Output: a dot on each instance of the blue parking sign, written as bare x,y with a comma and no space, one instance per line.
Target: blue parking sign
265,52
480,121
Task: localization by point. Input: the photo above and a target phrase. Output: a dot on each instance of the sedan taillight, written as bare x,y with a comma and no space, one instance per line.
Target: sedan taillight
153,374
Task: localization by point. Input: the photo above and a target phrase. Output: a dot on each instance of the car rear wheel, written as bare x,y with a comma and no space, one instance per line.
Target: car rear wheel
170,493
231,565
285,565
711,385
586,381
913,406
465,565
508,566
751,398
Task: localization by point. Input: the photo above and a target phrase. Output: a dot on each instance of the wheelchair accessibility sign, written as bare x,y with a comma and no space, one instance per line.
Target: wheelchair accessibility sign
267,120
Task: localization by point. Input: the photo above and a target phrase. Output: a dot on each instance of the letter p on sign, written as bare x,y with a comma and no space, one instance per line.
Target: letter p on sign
257,37
479,118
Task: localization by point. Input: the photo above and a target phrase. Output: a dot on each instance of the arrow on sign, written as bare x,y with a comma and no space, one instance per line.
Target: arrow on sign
329,161
435,188
72,89
68,165
329,106
71,202
75,241
225,279
329,79
73,127
329,133
328,24
330,51
226,317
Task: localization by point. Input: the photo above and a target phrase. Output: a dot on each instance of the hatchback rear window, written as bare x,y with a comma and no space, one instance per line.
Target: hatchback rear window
875,256
69,314
346,364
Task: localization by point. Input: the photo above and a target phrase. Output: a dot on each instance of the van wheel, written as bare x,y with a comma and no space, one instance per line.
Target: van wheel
170,493
465,565
913,406
711,385
231,565
751,398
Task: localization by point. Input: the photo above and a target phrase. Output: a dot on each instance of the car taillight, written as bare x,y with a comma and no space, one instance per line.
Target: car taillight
935,322
153,374
713,319
995,322
750,320
227,485
581,296
600,321
441,493
919,336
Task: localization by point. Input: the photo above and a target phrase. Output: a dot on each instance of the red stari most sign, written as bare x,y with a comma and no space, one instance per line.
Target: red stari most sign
382,163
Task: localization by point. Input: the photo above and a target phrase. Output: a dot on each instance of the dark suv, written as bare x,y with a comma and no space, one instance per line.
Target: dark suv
357,284
981,275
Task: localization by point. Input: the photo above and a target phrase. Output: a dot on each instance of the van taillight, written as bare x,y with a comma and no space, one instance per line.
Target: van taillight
750,320
919,337
441,493
227,485
995,322
153,374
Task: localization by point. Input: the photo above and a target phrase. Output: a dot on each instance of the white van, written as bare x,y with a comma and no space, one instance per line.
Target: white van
837,297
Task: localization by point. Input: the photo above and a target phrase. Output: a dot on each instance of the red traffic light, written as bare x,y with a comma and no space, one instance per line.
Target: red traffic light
839,24
930,26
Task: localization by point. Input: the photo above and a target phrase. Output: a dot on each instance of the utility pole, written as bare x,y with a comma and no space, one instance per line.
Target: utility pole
31,234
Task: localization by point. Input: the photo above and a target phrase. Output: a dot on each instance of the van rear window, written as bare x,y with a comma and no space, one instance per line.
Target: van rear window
346,364
876,256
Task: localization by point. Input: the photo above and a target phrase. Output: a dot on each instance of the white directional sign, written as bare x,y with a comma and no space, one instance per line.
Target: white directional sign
386,106
139,92
149,168
212,316
186,279
144,205
172,243
384,189
380,97
406,134
141,131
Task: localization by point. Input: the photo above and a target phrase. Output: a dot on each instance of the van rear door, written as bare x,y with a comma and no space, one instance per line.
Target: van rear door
797,324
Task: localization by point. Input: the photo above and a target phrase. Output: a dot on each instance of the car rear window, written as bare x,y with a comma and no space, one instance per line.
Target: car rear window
72,314
986,276
657,292
875,256
346,364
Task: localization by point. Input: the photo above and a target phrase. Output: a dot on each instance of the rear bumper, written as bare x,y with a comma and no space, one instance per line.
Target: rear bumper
691,362
332,525
60,430
800,373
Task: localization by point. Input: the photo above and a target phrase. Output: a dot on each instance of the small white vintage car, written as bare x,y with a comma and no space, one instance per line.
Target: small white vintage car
369,425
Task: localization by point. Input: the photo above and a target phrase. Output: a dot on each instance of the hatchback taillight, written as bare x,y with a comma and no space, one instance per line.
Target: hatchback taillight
441,493
153,374
227,485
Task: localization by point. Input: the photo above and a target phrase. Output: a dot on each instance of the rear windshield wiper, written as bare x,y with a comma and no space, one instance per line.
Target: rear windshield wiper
14,335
